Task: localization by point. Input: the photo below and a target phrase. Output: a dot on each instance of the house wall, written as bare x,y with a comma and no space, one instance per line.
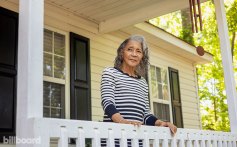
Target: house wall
188,84
103,51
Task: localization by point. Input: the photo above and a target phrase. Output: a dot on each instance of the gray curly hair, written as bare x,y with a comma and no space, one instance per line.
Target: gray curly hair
142,68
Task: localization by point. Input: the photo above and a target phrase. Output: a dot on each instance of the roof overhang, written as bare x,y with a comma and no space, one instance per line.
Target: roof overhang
169,42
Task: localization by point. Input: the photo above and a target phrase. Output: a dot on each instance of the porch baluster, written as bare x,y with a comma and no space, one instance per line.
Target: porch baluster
203,143
214,138
224,144
234,143
135,140
123,140
208,143
219,142
156,140
174,142
189,143
111,138
165,140
81,138
146,140
196,143
96,138
229,144
63,140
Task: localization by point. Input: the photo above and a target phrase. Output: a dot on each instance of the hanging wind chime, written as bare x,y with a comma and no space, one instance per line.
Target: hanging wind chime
195,13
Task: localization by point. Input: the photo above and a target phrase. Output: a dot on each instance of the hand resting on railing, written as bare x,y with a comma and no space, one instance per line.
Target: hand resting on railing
172,127
119,119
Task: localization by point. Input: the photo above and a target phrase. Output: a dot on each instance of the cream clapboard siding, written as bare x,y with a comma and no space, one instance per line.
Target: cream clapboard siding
103,51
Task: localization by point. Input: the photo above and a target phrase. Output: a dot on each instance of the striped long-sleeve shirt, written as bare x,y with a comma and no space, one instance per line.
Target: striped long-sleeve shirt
126,95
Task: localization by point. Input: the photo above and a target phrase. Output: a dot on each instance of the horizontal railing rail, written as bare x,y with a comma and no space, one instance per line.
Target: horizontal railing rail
80,133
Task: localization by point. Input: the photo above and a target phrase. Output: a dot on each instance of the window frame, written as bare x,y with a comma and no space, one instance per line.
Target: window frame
66,81
157,100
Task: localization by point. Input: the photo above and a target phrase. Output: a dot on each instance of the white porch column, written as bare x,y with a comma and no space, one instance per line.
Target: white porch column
30,67
227,63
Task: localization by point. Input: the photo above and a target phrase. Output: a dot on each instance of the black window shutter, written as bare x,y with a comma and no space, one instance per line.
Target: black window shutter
8,71
175,97
80,90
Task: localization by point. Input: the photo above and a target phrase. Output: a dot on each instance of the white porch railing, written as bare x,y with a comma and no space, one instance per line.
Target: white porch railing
62,130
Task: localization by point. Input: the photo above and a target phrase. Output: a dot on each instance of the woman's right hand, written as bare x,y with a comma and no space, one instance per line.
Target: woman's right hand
117,117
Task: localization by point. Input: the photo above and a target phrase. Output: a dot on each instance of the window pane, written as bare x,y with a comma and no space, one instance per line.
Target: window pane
159,82
162,111
164,78
56,113
46,112
48,61
160,93
48,91
59,67
53,99
59,44
158,74
47,94
48,36
154,86
165,92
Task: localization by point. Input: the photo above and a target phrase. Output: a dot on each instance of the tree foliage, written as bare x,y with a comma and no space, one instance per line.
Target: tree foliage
212,95
210,76
186,33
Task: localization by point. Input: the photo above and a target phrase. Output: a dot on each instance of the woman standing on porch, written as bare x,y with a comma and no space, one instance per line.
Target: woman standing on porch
124,90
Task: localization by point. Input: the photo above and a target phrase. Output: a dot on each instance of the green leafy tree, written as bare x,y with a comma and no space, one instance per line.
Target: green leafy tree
210,76
186,33
232,21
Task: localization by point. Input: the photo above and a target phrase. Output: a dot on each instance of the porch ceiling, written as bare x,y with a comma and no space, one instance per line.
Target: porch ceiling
111,15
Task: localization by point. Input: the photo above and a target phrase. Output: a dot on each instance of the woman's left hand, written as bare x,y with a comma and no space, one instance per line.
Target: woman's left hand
172,127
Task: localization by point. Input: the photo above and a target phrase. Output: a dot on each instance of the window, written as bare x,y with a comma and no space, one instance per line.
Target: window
165,96
159,96
54,74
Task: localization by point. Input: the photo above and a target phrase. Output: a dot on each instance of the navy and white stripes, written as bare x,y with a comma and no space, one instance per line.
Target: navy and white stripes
126,95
